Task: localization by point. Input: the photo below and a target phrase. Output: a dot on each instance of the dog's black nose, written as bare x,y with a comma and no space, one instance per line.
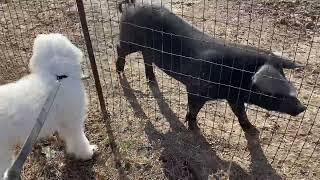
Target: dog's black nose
59,77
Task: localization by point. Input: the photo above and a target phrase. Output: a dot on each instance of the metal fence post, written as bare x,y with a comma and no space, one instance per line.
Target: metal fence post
92,60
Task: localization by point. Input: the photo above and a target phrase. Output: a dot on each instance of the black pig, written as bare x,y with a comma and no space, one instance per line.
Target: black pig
208,67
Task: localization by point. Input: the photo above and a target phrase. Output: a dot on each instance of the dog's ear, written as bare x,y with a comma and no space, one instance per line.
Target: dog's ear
76,52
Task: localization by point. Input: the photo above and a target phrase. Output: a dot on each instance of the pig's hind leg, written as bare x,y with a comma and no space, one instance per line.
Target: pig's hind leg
239,110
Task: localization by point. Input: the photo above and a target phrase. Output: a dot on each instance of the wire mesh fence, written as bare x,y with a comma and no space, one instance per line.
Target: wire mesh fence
148,121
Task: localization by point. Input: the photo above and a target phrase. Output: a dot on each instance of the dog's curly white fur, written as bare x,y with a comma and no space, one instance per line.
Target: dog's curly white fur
21,101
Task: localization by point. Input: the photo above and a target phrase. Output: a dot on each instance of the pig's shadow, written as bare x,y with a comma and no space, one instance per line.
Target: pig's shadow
188,155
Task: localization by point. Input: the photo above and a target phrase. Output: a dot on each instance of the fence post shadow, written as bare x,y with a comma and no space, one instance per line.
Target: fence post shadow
190,151
114,149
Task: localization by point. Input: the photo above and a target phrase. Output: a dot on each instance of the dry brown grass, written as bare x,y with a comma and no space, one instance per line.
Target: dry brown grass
147,122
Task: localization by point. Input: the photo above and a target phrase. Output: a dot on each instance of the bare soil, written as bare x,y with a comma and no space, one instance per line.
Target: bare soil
147,122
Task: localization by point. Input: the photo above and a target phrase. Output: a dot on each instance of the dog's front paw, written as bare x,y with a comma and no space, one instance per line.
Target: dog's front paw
89,153
94,148
5,175
11,174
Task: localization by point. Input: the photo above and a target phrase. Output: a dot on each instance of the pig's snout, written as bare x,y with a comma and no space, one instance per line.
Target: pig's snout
300,108
292,106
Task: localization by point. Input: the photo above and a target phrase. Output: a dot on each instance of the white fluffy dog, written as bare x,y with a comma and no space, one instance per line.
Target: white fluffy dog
21,102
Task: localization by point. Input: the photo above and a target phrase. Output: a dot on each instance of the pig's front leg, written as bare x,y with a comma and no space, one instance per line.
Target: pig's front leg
195,103
239,110
121,60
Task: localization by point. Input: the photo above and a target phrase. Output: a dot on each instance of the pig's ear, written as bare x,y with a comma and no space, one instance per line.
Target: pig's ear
270,81
288,64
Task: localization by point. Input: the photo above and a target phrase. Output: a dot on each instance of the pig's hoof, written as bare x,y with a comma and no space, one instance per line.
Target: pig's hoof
193,126
252,131
151,79
151,82
119,71
120,66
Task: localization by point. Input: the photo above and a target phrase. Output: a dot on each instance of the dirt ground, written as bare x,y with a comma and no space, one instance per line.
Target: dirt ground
147,122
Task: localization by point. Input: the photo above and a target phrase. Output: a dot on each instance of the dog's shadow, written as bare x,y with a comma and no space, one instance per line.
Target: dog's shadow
52,162
77,169
187,155
73,168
